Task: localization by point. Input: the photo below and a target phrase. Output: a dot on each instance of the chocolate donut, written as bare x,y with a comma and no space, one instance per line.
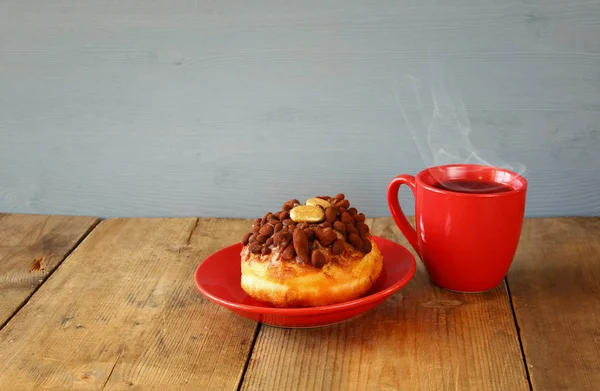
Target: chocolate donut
308,255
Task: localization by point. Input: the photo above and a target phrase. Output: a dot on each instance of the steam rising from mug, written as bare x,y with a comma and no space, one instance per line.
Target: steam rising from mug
438,121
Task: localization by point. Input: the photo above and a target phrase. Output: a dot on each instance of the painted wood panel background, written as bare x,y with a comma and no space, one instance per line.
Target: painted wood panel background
228,108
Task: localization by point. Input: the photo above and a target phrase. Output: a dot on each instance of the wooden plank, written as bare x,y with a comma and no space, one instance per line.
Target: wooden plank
31,247
422,338
123,312
555,288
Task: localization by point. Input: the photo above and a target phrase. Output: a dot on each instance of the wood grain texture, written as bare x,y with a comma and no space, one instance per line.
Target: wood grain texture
123,312
137,108
31,248
422,338
555,288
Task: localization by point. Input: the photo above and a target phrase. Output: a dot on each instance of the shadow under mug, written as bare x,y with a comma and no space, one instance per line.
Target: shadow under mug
467,240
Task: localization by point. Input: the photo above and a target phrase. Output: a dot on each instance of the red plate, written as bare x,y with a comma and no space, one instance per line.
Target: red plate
218,278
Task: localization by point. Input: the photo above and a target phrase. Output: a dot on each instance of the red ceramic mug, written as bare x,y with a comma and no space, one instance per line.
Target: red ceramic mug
468,222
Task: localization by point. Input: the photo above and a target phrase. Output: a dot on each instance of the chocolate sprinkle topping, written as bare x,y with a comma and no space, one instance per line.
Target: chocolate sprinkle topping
302,241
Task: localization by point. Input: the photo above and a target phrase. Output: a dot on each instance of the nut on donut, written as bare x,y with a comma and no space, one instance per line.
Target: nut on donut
312,254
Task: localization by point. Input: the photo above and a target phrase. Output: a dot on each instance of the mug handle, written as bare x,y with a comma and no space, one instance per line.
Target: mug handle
394,205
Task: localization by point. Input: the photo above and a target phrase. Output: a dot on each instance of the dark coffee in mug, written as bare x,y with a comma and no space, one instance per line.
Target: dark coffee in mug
473,186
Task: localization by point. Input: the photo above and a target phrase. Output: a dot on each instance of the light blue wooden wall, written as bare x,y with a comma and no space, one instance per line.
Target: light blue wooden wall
229,108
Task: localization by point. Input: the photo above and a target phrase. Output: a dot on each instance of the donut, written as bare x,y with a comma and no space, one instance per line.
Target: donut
308,255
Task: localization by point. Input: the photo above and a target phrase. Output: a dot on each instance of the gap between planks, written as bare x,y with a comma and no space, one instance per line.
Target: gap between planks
518,330
111,371
67,254
256,332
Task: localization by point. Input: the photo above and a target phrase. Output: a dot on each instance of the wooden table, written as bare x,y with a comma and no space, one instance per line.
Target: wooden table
112,305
